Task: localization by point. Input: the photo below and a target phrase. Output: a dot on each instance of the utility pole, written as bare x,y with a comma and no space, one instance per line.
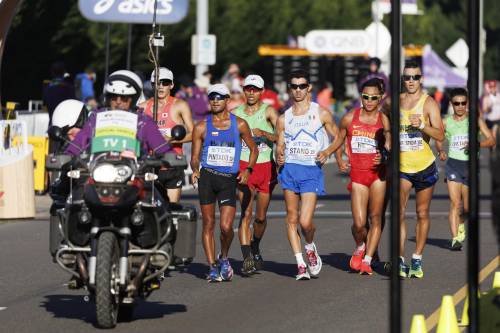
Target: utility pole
201,29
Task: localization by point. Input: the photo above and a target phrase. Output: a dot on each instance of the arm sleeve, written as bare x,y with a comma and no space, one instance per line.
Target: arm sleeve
82,139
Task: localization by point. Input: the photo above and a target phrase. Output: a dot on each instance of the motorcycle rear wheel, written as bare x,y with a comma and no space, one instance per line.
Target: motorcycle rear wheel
107,280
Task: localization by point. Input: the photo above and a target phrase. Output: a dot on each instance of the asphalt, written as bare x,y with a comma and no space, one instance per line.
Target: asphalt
33,296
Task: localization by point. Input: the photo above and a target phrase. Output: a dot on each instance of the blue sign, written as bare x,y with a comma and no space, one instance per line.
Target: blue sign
134,11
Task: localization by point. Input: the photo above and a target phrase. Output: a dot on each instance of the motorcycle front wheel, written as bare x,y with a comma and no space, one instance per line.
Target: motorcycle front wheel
107,280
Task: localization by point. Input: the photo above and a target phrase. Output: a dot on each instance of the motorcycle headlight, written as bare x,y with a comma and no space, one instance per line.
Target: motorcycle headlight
109,173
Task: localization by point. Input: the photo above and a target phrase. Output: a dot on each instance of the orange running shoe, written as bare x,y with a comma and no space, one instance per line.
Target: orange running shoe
365,268
357,257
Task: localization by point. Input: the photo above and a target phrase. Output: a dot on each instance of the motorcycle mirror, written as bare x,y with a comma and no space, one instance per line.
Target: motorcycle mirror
55,133
178,132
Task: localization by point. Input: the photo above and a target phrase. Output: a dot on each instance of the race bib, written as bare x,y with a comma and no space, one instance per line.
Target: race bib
459,142
221,156
411,142
363,145
259,141
301,151
166,132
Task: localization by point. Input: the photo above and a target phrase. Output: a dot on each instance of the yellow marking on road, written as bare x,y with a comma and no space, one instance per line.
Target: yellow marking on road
460,295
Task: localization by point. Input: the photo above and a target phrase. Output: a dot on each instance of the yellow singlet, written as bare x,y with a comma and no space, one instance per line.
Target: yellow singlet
416,154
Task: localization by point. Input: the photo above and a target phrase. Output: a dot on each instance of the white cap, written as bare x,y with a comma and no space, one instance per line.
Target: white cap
165,74
254,80
218,88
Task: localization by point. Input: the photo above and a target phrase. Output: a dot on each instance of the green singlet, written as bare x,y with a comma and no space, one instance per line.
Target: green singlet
257,120
457,134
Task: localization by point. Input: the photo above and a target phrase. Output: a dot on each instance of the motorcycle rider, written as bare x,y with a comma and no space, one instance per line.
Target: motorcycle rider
122,90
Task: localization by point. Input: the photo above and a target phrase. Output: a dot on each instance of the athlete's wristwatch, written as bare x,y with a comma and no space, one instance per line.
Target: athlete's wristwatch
250,170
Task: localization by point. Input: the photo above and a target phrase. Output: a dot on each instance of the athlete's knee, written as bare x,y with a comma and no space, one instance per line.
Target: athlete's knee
292,218
259,221
226,228
422,213
308,228
455,204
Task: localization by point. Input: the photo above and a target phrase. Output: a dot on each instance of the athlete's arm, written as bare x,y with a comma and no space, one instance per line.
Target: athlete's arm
246,136
272,117
280,143
439,146
435,130
489,139
198,135
342,133
183,110
387,131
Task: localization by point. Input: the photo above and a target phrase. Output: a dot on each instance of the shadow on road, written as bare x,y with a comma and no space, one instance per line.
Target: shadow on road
337,260
74,307
438,242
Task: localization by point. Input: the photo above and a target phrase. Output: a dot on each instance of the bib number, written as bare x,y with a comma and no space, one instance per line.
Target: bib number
459,142
363,145
221,156
411,142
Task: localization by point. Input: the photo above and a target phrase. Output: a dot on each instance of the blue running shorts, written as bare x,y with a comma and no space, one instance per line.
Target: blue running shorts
422,179
302,178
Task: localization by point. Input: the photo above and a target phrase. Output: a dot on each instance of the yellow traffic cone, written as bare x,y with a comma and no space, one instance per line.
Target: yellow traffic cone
447,316
465,313
496,280
418,324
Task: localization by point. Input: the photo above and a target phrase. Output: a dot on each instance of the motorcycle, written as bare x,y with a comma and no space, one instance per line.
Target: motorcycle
114,233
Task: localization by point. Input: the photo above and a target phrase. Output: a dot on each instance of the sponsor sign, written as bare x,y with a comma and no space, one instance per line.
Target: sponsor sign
134,11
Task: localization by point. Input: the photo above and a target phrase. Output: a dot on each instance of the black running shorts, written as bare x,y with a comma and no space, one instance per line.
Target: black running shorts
171,178
217,186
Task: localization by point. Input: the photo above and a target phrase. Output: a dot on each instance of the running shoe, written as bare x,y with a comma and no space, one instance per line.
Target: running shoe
455,244
365,268
226,271
259,262
314,261
416,268
403,269
357,257
461,233
248,266
302,273
213,274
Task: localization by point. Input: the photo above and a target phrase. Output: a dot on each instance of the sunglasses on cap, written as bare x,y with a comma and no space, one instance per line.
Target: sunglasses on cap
301,86
216,97
370,97
459,103
251,89
412,77
164,82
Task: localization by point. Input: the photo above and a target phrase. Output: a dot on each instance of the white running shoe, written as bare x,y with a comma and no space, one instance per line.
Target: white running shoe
302,273
313,261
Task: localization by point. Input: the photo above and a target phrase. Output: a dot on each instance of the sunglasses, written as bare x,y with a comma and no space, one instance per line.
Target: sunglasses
164,82
251,89
370,97
412,77
459,103
115,97
216,97
301,86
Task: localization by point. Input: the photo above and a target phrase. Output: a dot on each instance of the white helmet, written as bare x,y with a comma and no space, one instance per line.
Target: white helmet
125,83
69,113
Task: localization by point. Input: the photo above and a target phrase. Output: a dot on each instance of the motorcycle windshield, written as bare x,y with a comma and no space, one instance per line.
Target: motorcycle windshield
115,131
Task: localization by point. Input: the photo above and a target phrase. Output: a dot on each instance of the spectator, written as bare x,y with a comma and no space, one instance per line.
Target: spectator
84,83
270,97
195,94
325,96
58,89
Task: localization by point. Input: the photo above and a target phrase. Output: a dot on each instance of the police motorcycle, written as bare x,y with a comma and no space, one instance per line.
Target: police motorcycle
114,233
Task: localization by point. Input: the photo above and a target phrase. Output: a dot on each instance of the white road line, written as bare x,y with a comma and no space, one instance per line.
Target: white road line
3,308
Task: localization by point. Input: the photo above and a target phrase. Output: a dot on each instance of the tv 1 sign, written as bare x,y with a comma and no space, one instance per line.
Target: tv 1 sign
134,11
338,41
